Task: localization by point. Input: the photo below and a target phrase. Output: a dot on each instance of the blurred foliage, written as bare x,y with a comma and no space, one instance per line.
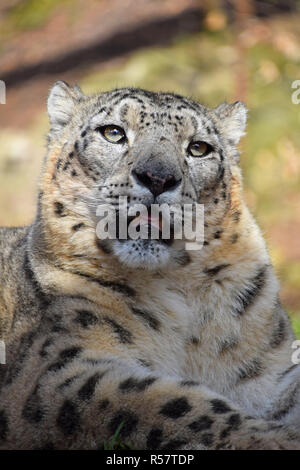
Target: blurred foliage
29,14
262,59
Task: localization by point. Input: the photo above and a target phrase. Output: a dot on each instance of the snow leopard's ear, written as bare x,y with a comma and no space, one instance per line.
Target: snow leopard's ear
61,102
232,120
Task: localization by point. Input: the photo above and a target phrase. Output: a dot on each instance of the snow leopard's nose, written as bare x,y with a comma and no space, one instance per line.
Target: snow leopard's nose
157,183
157,166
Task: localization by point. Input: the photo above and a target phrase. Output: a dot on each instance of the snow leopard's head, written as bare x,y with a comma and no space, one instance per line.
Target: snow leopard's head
149,148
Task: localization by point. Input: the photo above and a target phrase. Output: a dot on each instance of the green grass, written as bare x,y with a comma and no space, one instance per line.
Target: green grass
115,443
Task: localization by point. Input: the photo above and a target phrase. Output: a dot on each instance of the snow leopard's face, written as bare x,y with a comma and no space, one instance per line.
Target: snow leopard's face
150,148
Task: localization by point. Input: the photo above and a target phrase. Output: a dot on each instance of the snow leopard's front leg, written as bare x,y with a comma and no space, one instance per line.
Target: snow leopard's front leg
80,402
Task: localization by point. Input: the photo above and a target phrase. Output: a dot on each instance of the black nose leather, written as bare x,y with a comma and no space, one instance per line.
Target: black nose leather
156,183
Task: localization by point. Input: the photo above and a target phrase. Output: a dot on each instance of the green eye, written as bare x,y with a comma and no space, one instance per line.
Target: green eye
199,149
113,134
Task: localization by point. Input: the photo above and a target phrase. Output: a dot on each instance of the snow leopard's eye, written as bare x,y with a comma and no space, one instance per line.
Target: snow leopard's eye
199,149
112,133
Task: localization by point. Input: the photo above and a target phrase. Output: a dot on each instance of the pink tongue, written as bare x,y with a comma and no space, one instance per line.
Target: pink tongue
146,220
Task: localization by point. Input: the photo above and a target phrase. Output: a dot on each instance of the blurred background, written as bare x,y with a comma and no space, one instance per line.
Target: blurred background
210,50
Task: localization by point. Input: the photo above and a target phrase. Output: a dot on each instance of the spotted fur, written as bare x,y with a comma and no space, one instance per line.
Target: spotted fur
183,350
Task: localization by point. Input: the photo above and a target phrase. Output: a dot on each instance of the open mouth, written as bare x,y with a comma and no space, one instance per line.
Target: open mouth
145,226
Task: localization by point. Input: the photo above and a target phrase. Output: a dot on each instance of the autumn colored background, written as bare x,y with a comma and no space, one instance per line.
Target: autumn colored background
211,50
